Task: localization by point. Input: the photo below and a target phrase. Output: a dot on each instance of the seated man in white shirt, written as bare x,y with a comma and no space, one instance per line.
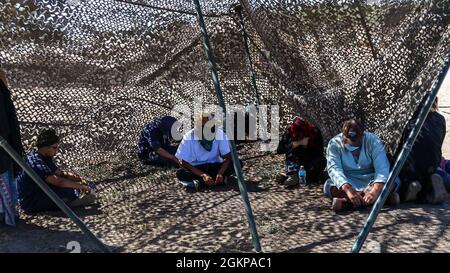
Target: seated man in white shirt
205,162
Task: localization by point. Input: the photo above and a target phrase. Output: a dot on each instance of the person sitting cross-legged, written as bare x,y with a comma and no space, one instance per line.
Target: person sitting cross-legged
302,143
205,160
65,184
358,167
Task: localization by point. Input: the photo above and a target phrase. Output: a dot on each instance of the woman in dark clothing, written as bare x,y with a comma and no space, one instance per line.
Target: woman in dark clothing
9,130
302,143
420,180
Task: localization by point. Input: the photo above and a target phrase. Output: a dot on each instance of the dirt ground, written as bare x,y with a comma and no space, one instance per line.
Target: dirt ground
143,210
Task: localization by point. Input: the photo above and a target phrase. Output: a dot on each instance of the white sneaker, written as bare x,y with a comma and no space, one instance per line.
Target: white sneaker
439,194
190,186
413,189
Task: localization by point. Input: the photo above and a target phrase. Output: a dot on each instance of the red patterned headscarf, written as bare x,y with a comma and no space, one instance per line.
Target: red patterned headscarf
301,128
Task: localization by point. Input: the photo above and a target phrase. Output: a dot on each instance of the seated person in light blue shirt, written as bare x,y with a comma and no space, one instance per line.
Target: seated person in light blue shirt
358,168
204,155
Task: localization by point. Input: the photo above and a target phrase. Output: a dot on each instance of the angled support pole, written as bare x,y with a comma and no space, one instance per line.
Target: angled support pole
244,34
52,195
237,165
402,157
362,18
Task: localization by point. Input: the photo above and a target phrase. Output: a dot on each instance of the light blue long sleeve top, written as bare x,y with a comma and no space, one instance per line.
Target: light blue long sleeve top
371,166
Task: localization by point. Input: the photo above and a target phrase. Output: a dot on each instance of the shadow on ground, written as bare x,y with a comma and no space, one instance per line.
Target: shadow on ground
142,209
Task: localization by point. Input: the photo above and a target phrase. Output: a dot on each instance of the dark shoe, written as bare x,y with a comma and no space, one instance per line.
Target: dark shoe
225,181
190,186
413,189
393,199
291,181
339,204
231,179
281,178
190,189
196,185
438,194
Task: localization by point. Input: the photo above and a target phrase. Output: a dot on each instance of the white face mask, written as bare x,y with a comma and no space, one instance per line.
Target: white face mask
351,148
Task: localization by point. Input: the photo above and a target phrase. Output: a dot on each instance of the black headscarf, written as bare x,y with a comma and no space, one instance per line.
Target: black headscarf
9,129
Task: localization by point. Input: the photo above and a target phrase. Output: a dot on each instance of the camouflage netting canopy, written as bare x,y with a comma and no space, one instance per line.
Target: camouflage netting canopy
99,70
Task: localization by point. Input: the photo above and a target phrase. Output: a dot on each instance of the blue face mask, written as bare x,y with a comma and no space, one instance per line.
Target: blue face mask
351,148
352,134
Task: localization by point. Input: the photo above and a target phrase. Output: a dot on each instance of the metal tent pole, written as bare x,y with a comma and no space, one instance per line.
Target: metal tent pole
236,163
244,34
362,18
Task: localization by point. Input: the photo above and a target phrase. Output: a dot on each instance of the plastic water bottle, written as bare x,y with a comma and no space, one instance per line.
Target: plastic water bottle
302,176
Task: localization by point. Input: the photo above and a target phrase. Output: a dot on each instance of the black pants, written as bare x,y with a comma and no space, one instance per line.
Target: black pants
211,169
40,202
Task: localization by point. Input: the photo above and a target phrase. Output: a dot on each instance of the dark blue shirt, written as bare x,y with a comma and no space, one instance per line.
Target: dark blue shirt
152,138
29,191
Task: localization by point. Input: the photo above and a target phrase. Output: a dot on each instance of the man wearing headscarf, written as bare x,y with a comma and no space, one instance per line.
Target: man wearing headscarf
205,155
9,130
154,146
302,143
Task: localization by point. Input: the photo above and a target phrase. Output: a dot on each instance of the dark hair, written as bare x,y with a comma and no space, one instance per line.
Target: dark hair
167,123
435,105
352,123
46,138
